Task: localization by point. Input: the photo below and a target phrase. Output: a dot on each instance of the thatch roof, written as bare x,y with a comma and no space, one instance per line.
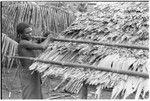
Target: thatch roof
115,23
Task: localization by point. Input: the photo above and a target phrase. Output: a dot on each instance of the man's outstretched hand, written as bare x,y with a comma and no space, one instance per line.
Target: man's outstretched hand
49,39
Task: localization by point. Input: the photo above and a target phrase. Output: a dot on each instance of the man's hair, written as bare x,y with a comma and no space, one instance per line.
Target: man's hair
21,27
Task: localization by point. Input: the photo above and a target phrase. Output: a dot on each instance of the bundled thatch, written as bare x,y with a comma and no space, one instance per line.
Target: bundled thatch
112,23
40,17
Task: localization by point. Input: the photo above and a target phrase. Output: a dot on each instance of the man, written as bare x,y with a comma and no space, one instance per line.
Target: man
30,81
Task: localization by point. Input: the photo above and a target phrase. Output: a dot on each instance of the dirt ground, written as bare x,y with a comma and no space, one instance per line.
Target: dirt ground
11,88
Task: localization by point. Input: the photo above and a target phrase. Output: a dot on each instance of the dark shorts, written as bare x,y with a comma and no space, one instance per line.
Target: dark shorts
30,84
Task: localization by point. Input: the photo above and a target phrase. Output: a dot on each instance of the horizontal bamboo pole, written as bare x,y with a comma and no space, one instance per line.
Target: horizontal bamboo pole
38,37
99,43
75,65
103,43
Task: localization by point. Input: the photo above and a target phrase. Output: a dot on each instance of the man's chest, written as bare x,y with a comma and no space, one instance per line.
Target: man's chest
26,52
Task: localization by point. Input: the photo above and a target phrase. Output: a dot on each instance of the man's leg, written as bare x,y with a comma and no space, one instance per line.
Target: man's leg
83,94
31,85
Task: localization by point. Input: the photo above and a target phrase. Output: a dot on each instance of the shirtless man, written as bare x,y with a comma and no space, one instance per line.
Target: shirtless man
30,82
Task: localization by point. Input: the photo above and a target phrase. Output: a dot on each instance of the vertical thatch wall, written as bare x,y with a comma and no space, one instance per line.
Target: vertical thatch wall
41,18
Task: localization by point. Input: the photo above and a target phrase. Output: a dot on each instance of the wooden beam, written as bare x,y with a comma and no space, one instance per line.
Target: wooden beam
75,65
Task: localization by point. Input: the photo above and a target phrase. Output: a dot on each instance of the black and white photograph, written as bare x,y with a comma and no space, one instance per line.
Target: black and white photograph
78,50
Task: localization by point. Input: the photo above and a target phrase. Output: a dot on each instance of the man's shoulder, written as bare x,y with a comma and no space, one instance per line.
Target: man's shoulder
24,43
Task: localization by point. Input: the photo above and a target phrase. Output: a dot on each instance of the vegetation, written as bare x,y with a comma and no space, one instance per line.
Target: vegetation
111,23
40,17
119,23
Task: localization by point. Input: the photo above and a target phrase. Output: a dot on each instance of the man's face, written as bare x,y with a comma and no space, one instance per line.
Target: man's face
27,33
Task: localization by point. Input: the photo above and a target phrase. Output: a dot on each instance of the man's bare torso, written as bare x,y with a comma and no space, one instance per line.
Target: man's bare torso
22,51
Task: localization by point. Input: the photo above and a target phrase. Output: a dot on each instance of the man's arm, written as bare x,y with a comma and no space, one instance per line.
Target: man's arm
32,45
36,46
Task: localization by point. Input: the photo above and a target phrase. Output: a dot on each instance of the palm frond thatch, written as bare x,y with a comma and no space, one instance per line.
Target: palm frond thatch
120,23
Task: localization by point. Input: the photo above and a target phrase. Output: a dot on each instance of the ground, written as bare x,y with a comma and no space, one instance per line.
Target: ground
11,88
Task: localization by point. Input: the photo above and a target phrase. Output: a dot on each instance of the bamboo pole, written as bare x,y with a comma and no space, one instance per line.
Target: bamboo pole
99,43
38,37
75,65
102,43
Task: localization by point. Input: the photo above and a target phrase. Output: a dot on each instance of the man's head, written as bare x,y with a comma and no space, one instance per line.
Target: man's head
24,31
